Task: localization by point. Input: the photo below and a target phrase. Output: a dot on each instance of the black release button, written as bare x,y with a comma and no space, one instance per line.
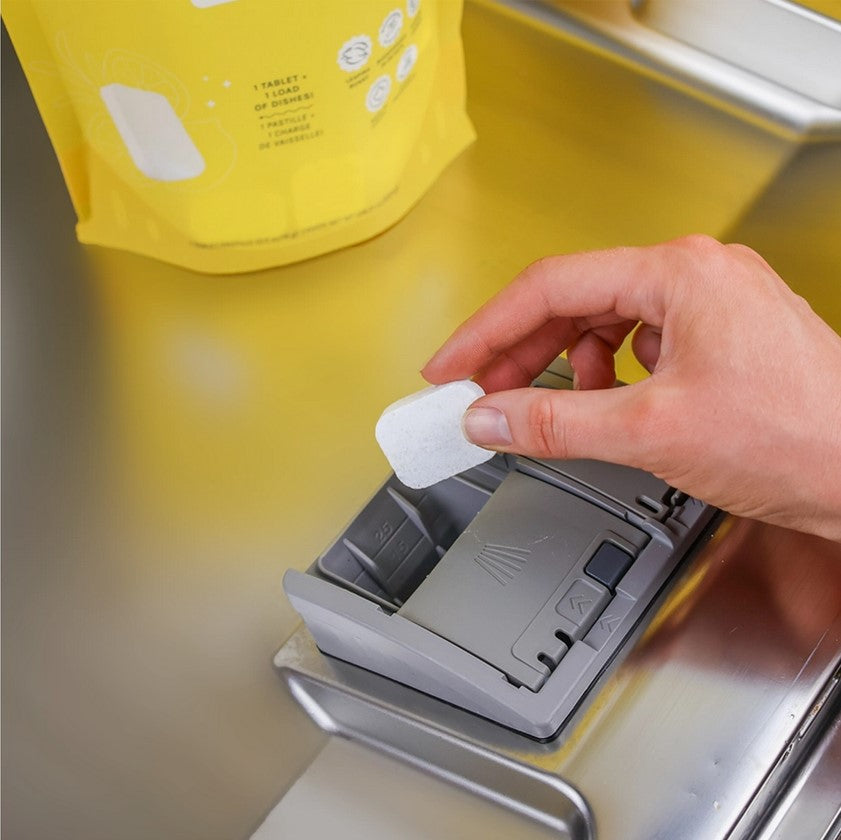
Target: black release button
608,564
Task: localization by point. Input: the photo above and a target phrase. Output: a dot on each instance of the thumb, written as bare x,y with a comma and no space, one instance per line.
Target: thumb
609,425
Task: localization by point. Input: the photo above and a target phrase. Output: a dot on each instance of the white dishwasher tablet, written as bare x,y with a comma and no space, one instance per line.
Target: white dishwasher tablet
421,434
154,135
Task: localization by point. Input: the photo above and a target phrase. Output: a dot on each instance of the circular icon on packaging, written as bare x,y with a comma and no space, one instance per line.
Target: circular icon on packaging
412,7
390,27
378,93
354,53
406,63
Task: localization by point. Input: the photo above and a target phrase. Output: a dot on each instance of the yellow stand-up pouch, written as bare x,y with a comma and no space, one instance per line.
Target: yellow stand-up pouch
232,135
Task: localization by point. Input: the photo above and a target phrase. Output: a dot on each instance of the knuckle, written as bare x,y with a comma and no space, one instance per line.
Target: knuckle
650,423
752,263
744,251
546,429
700,244
515,365
650,411
801,305
708,257
540,268
707,263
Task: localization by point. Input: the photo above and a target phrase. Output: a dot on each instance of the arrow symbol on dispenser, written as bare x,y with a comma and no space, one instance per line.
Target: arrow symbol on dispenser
609,622
580,603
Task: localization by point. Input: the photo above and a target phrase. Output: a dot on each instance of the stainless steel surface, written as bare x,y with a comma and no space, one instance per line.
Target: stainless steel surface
794,101
138,698
776,39
710,697
810,806
388,799
685,732
500,779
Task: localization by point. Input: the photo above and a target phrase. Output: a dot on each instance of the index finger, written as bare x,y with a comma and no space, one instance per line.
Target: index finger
633,283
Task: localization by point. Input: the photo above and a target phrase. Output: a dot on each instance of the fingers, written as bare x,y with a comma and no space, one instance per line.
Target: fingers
611,424
646,346
593,352
579,289
592,356
518,365
592,363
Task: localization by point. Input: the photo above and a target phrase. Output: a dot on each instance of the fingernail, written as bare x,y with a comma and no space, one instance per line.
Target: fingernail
576,384
486,427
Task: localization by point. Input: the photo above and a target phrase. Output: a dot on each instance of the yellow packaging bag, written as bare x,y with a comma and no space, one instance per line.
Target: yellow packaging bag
232,135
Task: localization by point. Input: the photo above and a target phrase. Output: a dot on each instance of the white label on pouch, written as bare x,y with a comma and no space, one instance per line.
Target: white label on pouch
155,137
406,63
378,93
390,27
355,53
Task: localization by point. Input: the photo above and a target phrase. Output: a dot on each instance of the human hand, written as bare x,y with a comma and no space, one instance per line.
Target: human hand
743,405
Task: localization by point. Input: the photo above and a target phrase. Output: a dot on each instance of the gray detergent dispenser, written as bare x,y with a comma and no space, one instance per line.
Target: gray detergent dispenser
505,590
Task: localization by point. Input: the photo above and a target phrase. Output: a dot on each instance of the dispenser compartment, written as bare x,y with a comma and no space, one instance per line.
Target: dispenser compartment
505,590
